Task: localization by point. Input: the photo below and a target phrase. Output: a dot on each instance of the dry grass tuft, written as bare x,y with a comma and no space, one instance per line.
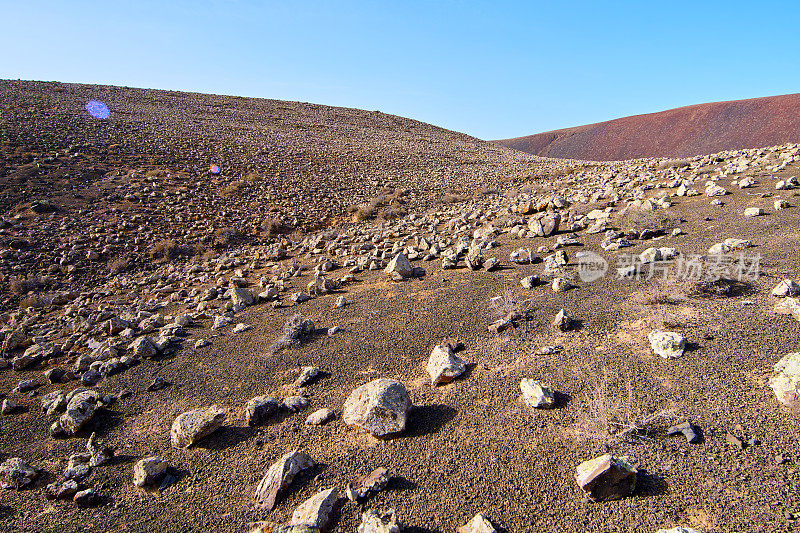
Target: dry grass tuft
610,413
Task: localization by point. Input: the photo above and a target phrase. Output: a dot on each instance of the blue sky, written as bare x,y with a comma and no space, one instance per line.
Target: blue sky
489,69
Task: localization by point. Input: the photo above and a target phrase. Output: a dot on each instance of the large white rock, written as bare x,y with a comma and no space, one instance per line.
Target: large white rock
379,407
444,366
754,212
786,288
667,344
786,381
537,395
401,265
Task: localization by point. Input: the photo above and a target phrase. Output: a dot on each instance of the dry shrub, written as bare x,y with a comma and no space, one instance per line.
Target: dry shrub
157,173
610,414
119,265
508,303
227,236
659,221
670,291
167,250
35,301
294,329
487,191
274,226
253,177
673,163
392,212
232,189
20,286
453,198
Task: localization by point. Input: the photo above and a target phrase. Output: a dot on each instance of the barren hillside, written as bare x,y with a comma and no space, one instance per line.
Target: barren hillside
685,131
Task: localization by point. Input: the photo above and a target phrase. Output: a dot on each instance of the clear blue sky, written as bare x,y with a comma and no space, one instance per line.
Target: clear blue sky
489,69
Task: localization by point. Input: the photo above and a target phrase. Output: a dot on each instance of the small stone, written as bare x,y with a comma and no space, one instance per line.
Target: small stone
201,343
734,441
260,409
279,477
238,328
478,524
340,302
307,375
606,478
444,365
316,512
537,395
379,407
371,522
149,471
294,404
492,264
686,429
754,212
667,344
61,490
191,426
530,282
678,529
86,498
15,473
8,407
158,384
786,381
786,288
320,416
563,321
560,285
375,482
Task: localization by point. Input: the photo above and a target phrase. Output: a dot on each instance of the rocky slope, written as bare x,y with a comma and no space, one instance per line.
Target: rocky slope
479,355
681,132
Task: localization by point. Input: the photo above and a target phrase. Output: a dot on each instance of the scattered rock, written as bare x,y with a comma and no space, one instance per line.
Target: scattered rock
15,473
316,512
371,522
401,266
786,288
478,524
280,476
379,407
192,426
786,381
667,344
260,409
375,482
320,416
606,478
688,430
444,365
563,321
149,471
537,395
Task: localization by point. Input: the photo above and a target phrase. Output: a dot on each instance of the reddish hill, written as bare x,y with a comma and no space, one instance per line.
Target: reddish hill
685,131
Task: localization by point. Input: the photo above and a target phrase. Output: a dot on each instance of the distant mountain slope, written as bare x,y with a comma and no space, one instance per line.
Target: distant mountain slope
685,131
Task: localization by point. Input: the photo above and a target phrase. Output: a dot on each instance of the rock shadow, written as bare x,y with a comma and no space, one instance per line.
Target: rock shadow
428,419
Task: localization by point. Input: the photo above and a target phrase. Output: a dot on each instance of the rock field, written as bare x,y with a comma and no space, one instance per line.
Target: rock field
366,323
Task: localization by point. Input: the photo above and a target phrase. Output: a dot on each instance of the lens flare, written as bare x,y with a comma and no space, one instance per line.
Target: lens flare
214,169
98,109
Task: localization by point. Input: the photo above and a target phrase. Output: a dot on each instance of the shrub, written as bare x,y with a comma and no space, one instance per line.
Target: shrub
232,189
119,265
609,411
166,249
294,329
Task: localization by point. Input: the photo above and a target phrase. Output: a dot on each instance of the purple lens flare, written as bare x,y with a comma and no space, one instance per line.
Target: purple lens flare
214,169
98,109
